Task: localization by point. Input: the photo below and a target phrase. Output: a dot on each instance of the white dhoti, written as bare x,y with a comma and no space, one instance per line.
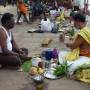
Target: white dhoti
73,65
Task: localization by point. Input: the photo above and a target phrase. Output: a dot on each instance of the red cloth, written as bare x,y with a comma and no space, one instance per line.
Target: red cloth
85,53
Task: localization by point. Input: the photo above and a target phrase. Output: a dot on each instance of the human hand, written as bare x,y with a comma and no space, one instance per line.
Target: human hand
21,51
22,54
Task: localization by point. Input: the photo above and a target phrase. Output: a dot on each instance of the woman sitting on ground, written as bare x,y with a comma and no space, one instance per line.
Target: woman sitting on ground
80,46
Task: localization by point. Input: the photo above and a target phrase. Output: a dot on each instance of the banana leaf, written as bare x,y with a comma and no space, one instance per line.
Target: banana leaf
26,66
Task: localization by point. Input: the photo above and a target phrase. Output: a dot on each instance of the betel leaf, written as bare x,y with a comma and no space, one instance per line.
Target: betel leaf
61,70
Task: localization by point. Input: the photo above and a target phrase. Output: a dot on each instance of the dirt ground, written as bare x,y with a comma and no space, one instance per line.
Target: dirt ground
13,80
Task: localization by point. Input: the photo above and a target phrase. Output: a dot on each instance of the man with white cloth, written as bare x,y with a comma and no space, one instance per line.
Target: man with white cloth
80,47
46,25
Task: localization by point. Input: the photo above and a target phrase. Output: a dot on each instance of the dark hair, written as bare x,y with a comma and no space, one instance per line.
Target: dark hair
6,18
79,17
76,8
44,14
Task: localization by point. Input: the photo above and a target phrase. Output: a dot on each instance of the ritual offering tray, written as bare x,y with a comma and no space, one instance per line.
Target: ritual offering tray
50,74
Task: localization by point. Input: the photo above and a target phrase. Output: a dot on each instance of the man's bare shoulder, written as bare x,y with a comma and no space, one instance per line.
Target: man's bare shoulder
2,32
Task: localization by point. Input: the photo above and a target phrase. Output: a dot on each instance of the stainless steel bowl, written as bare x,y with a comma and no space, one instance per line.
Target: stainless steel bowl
38,79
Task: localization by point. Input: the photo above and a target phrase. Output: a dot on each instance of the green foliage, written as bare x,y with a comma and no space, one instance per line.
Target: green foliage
26,66
84,66
61,70
71,32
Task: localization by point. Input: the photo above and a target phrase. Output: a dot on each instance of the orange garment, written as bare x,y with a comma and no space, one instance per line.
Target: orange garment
85,53
22,8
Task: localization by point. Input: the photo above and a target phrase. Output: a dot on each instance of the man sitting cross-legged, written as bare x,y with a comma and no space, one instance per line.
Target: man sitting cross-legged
10,53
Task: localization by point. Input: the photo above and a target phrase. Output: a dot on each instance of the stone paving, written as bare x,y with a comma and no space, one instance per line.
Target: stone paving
13,80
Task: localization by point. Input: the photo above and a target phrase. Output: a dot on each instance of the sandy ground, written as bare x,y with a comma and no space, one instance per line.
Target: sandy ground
13,80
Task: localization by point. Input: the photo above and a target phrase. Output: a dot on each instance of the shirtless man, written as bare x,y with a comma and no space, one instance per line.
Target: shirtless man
10,53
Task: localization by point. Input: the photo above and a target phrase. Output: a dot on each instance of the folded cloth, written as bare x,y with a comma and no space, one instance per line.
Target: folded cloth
72,55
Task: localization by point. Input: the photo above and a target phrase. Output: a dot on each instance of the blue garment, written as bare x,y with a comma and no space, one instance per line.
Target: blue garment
54,27
37,8
2,2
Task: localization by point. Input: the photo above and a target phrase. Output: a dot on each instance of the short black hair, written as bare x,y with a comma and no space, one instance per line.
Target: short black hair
79,17
6,18
76,8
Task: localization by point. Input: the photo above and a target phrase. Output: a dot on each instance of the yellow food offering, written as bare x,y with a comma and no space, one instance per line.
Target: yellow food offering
61,17
36,70
40,71
33,71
